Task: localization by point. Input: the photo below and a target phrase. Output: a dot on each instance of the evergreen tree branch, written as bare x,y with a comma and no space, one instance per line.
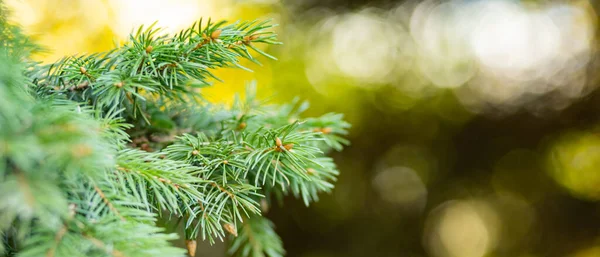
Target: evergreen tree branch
257,239
152,65
108,203
158,183
73,184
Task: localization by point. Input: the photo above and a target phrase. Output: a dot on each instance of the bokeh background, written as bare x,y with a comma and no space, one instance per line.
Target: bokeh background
476,123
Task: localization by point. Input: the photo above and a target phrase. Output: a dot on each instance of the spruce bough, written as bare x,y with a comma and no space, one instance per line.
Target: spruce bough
96,148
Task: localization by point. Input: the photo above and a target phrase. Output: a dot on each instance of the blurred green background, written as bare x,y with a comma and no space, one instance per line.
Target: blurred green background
476,124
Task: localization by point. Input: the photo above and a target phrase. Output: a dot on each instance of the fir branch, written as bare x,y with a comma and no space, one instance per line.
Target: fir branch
108,203
72,184
163,66
156,182
200,223
57,239
257,239
101,245
105,237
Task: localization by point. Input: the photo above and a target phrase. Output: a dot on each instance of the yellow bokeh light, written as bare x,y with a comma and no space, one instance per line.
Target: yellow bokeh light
461,229
573,162
176,15
401,186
